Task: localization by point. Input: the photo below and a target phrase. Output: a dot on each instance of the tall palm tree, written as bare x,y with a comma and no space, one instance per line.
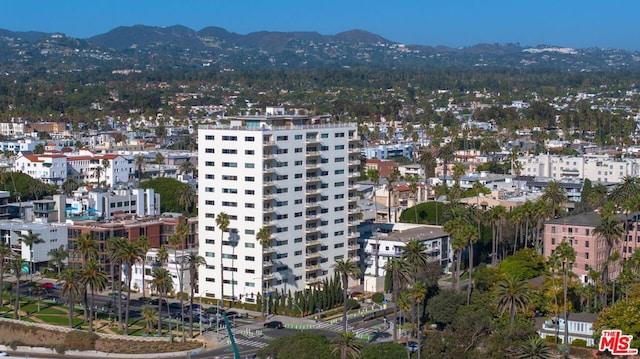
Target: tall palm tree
346,269
374,176
186,167
626,189
428,163
97,173
105,166
143,243
347,346
178,239
400,276
512,296
194,262
57,256
139,162
567,256
87,248
163,284
185,196
114,244
17,266
129,254
30,239
534,348
5,253
496,217
555,196
222,221
393,177
459,230
610,229
71,289
96,280
413,188
265,240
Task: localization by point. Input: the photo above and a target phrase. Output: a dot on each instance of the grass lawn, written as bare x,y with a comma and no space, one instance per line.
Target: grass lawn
59,320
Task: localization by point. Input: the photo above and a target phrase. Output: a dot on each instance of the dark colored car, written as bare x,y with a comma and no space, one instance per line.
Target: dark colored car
47,285
175,305
274,324
156,301
231,314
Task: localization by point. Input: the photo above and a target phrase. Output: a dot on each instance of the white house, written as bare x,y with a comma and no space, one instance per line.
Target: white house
53,235
49,167
82,167
177,263
580,327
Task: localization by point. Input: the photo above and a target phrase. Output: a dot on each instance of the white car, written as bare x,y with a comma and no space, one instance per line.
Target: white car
3,354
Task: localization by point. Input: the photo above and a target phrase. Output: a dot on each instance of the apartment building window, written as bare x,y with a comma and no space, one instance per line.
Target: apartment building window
209,163
339,184
338,172
229,204
249,245
250,271
209,150
297,265
250,219
586,255
249,191
339,147
324,135
324,148
249,139
298,150
210,215
209,176
210,241
297,253
586,231
586,243
339,159
553,241
209,228
229,256
249,179
229,178
229,151
229,138
298,189
249,231
249,258
297,227
210,202
339,134
298,175
338,209
230,164
298,163
297,240
230,190
249,205
249,152
338,245
209,254
249,165
297,137
209,137
282,138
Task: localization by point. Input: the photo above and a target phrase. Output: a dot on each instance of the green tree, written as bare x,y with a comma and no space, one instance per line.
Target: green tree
265,240
57,256
300,346
525,264
567,256
194,262
143,243
393,177
162,283
139,162
555,196
186,197
129,254
96,280
610,229
384,350
17,266
71,289
149,315
6,255
400,276
346,269
30,239
623,315
535,348
347,346
222,221
443,307
512,296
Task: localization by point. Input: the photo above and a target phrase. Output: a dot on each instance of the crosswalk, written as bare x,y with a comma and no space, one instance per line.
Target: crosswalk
338,327
250,343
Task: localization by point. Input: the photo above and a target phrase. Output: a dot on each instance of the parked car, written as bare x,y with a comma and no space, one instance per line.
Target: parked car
123,296
175,305
231,314
3,354
47,285
157,300
411,346
274,324
214,310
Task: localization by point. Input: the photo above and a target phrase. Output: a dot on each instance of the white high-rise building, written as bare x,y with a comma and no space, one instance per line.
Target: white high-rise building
291,174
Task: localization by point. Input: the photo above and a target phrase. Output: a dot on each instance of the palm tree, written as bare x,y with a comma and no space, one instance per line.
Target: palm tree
535,348
96,280
555,196
159,159
185,196
71,289
5,253
400,276
115,260
105,167
264,239
374,176
393,177
129,254
29,239
163,284
446,155
428,163
496,217
149,315
347,346
459,229
512,296
186,167
222,221
87,249
626,189
413,187
139,162
97,173
143,243
194,262
567,255
346,269
610,229
57,256
178,239
17,266
69,185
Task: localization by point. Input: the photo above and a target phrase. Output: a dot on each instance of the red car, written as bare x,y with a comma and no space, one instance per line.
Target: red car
47,285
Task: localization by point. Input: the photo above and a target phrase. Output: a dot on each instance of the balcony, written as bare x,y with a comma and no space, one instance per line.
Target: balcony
269,276
313,268
313,153
269,170
269,196
354,235
268,156
267,264
310,230
354,149
311,179
269,210
312,204
268,143
314,242
268,250
354,174
314,281
354,247
311,255
354,210
354,162
312,140
312,166
313,191
268,182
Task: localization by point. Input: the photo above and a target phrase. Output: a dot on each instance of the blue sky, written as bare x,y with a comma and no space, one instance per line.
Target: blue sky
571,23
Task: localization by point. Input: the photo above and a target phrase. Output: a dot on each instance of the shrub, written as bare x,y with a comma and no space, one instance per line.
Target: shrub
14,344
78,340
352,304
183,295
579,343
377,297
550,339
60,348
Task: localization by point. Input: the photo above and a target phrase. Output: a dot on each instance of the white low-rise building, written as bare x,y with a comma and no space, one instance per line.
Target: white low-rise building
53,235
48,167
108,204
176,265
389,239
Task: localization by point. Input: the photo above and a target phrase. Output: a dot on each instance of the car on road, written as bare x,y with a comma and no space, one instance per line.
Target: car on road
157,301
175,305
122,296
274,324
411,346
214,310
47,285
3,354
232,313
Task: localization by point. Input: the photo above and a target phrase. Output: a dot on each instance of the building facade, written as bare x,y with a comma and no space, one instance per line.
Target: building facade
293,175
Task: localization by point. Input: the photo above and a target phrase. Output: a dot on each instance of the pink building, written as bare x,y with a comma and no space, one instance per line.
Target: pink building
590,249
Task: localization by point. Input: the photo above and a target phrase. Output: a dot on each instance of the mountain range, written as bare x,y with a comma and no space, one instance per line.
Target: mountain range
179,47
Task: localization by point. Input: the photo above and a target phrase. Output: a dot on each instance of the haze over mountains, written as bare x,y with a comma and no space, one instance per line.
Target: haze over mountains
175,47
